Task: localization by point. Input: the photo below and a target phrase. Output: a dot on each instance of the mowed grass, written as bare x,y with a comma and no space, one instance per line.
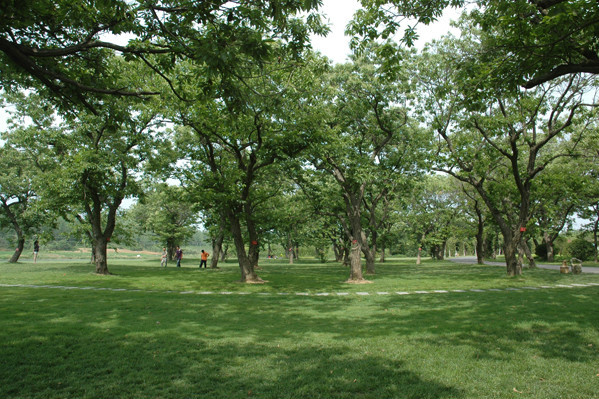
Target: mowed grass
152,341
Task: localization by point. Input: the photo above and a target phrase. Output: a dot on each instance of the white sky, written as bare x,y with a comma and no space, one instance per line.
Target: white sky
339,12
336,45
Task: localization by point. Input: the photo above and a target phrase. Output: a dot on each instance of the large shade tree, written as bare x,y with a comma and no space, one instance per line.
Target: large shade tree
61,47
235,135
20,208
529,41
90,162
167,213
500,139
371,143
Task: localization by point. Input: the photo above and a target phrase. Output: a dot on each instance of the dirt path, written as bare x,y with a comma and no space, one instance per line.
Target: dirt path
472,260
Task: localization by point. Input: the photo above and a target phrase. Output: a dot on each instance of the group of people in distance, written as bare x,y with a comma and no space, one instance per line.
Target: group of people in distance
163,261
179,255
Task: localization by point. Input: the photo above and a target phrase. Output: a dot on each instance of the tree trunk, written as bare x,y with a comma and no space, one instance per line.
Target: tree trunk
514,268
520,251
217,247
217,242
438,251
19,250
549,247
595,228
357,238
224,253
337,251
341,252
170,249
100,245
419,258
289,249
480,236
382,258
246,266
369,254
355,273
479,251
18,231
346,256
531,260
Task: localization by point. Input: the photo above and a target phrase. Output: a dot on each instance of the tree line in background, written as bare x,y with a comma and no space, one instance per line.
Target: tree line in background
489,139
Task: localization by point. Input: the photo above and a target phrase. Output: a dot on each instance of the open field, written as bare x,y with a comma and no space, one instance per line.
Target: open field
147,332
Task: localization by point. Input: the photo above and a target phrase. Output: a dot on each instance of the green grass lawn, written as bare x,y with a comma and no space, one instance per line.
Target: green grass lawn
162,338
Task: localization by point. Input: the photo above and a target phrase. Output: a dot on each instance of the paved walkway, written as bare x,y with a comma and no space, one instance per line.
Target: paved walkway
472,260
378,293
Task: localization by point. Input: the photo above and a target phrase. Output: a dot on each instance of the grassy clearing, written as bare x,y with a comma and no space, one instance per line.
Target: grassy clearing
139,344
304,276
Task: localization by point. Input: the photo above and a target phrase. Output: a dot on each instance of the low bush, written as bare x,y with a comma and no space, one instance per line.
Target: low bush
581,249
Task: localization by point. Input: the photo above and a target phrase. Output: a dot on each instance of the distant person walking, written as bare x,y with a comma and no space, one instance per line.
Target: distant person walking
36,250
204,260
164,257
179,256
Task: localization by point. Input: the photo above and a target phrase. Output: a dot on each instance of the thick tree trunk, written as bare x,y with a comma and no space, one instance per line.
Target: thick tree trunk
370,268
217,247
289,249
217,242
100,245
224,253
337,251
356,245
438,251
531,260
246,266
346,256
520,251
369,254
382,257
341,252
514,268
480,259
355,273
18,231
19,250
549,247
171,247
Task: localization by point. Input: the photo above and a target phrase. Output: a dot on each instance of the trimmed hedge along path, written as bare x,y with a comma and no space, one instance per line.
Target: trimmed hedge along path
303,293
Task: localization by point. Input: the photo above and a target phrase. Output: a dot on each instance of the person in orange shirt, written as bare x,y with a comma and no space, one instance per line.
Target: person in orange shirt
204,260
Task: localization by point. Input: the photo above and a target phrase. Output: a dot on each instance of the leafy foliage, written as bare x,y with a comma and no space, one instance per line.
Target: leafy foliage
523,42
581,249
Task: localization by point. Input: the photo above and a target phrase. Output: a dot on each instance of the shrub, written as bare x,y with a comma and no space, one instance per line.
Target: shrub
581,249
541,251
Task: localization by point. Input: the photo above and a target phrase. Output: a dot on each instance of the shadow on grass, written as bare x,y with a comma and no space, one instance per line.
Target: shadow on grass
118,347
126,344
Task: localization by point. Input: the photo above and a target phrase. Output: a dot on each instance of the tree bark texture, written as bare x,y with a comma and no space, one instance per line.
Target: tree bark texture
514,268
531,260
355,273
19,250
246,266
480,232
217,247
100,245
